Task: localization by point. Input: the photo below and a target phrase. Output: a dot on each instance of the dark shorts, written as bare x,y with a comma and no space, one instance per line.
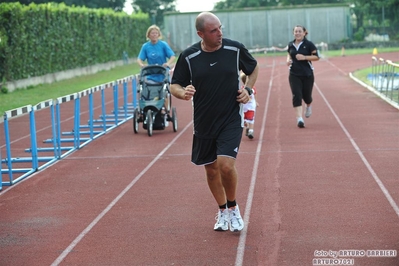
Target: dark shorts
206,150
301,88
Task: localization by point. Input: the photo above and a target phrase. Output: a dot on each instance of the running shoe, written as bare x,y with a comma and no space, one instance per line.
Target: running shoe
308,111
236,223
222,220
301,123
250,134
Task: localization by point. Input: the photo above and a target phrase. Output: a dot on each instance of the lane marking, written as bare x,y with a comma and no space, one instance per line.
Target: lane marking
360,153
112,204
244,232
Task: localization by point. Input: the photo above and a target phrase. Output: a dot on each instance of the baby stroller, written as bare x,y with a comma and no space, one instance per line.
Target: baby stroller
153,90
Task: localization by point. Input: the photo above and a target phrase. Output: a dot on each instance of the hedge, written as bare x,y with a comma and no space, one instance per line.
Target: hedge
40,39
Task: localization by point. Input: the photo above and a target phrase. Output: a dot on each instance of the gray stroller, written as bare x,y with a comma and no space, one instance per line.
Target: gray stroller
152,94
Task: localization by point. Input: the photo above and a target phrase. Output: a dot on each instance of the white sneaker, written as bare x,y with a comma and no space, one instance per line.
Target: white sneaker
222,220
236,222
300,122
308,111
250,134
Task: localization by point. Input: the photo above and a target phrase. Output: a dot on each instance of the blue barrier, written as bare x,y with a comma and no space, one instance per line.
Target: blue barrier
9,160
34,150
59,145
1,175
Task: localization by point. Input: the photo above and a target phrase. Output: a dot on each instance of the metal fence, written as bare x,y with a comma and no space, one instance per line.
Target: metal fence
265,27
384,78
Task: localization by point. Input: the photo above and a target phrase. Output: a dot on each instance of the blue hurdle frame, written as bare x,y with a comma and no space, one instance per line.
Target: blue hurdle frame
82,134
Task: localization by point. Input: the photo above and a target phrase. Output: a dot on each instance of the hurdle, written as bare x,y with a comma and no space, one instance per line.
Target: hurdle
9,160
34,161
105,121
62,115
128,107
34,149
125,112
385,80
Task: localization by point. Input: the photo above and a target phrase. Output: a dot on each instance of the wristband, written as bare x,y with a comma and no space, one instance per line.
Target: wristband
249,90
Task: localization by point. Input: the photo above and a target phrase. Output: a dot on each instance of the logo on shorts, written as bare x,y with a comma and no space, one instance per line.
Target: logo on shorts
212,64
236,149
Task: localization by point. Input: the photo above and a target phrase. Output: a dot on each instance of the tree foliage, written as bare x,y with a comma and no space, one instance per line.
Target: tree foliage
379,16
116,5
155,8
382,14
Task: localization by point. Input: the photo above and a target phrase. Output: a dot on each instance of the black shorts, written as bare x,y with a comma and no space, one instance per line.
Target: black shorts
301,88
206,150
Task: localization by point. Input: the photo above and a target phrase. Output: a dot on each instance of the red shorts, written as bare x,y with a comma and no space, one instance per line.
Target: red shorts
249,115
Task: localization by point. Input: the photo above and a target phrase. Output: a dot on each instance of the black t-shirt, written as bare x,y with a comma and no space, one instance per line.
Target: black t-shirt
215,76
302,67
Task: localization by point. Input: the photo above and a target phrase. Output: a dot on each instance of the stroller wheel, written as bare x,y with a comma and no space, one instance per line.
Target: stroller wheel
136,116
150,123
174,119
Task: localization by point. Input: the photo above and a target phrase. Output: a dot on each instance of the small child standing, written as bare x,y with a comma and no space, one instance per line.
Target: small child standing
249,110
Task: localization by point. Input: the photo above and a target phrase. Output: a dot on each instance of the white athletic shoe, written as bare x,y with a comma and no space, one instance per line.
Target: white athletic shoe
222,218
308,111
236,222
300,122
250,134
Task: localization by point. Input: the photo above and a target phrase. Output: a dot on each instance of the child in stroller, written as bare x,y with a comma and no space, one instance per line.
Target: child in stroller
154,99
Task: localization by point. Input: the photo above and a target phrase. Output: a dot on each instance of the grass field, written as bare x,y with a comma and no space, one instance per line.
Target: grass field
37,94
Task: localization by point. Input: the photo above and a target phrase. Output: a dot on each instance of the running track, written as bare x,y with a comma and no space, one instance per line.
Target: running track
129,199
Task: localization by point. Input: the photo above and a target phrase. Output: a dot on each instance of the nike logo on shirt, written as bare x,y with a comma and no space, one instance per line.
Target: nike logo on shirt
212,64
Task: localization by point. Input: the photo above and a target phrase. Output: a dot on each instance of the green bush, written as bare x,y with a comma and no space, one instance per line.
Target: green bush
359,35
46,38
4,90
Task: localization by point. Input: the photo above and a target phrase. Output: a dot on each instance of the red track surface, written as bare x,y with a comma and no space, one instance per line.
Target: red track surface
129,199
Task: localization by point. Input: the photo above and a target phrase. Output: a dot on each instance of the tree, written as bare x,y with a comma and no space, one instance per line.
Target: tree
383,14
310,2
233,4
155,8
229,4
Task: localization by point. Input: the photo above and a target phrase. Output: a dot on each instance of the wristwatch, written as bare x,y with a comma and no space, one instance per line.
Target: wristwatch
249,90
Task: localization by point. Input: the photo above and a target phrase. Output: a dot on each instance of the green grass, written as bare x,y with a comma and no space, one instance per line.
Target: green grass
36,94
349,52
362,75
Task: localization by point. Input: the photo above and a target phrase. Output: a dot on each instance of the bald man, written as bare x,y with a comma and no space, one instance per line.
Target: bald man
208,74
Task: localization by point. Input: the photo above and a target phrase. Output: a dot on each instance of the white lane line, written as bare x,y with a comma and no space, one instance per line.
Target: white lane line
243,234
109,207
360,153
